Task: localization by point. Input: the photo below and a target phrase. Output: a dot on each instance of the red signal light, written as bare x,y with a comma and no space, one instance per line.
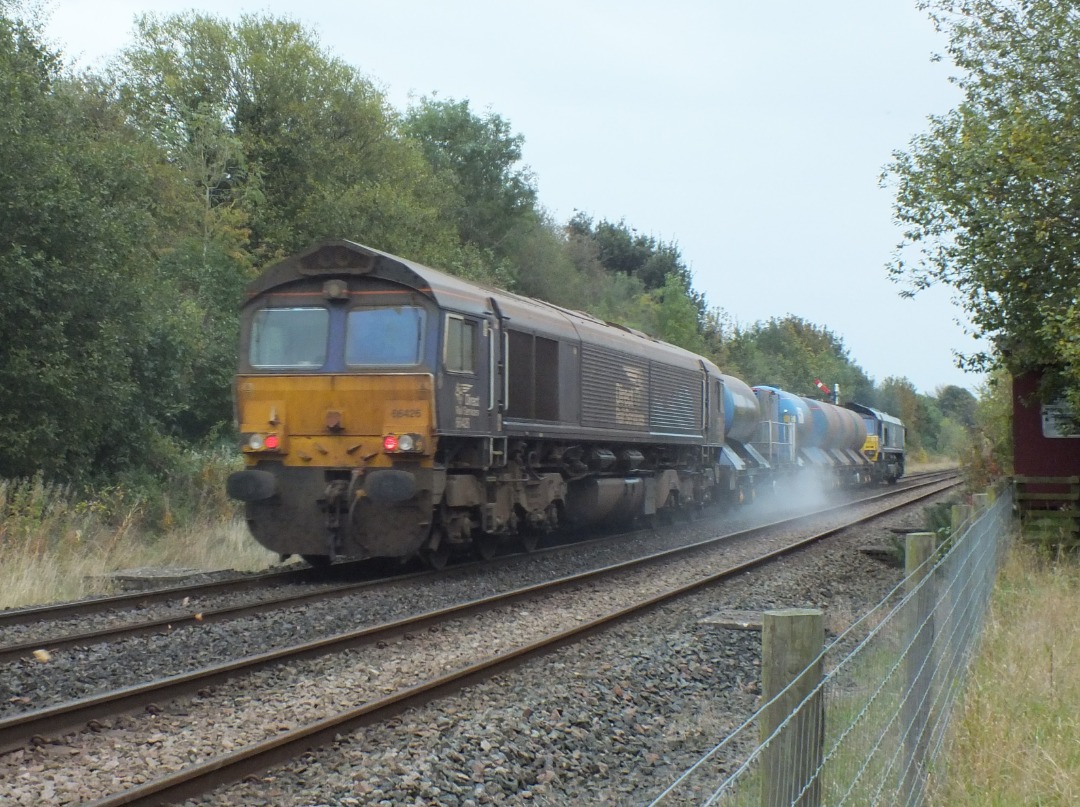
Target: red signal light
272,442
390,443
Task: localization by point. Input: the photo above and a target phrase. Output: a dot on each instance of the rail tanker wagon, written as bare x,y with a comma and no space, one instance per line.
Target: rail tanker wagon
835,440
785,422
742,467
388,409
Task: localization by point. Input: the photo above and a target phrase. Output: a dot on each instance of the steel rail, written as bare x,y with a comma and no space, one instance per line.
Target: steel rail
193,616
55,611
16,730
133,599
202,777
190,617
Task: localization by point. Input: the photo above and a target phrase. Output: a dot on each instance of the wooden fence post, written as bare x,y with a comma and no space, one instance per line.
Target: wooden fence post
791,645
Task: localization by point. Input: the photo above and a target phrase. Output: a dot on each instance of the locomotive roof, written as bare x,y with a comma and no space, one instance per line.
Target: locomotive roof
343,258
875,413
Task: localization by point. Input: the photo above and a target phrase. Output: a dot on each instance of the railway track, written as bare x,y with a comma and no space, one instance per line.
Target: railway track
697,571
193,603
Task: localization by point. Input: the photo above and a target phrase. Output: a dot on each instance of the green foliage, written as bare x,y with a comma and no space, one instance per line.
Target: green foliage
545,269
78,316
939,518
620,248
958,404
200,357
717,332
478,157
987,195
298,142
188,490
792,353
677,316
989,453
644,282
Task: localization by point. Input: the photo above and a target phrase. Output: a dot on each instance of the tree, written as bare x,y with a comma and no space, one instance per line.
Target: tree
958,404
989,197
297,144
989,453
621,248
792,353
677,316
899,398
545,268
84,386
481,159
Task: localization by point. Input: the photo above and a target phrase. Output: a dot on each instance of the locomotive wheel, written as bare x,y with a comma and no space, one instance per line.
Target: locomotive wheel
317,561
529,541
436,558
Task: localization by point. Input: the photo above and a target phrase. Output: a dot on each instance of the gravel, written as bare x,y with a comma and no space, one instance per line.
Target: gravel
80,672
605,721
610,721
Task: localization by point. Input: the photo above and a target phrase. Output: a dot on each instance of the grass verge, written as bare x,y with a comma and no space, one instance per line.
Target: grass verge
1016,739
56,544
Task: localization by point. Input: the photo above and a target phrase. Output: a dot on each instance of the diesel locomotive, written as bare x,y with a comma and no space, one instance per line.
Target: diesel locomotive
391,410
884,445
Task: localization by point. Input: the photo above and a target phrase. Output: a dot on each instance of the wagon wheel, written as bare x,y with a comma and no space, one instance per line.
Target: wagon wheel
530,540
318,561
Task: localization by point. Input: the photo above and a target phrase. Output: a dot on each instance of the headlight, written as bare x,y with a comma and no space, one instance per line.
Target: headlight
261,442
403,443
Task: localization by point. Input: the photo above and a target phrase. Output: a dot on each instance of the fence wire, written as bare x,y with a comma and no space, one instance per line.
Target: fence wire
869,732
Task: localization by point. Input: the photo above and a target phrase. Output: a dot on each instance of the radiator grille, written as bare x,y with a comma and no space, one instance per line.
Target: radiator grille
675,403
614,389
627,392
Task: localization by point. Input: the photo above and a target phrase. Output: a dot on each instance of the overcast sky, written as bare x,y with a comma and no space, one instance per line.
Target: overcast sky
753,135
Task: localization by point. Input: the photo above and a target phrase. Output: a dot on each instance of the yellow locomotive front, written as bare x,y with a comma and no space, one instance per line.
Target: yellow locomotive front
336,408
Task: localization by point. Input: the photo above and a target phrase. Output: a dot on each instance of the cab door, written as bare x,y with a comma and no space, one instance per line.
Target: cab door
466,388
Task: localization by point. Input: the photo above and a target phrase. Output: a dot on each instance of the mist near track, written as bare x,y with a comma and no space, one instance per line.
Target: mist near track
805,491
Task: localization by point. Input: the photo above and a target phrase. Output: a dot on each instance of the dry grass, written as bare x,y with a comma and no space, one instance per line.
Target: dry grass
55,546
1016,740
929,464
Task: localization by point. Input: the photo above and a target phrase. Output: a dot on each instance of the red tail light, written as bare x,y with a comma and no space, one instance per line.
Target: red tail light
403,444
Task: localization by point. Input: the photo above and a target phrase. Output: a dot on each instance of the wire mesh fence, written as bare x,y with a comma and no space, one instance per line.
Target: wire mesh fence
869,730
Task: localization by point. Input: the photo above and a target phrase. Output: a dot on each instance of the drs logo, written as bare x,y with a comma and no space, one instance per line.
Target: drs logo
466,406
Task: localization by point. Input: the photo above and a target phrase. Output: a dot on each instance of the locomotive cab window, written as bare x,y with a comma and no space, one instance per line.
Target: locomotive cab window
459,348
382,337
289,337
